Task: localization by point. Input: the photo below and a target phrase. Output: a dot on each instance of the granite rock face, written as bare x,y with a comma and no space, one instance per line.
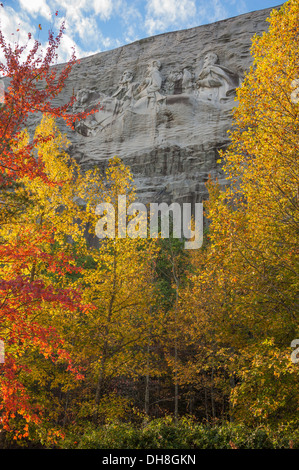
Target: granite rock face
166,105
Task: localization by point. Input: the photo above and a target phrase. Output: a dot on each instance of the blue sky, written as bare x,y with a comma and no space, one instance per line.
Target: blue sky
97,25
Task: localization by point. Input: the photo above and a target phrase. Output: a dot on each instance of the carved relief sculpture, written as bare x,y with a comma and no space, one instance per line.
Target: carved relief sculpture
215,85
125,93
187,81
148,94
215,82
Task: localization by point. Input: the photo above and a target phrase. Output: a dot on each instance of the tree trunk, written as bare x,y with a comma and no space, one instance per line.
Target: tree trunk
212,394
101,376
147,382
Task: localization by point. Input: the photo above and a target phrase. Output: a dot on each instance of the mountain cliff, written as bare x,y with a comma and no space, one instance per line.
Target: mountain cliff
166,105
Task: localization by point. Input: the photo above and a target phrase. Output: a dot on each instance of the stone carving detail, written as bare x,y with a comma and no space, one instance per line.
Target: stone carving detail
148,93
181,81
110,106
215,82
125,93
215,85
187,80
85,100
166,120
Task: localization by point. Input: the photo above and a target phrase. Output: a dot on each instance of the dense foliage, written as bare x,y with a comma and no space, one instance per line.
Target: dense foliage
138,343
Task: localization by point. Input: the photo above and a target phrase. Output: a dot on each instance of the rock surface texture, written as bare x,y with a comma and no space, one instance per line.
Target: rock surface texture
166,105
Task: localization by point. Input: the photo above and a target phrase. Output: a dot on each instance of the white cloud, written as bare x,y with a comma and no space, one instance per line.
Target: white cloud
82,20
36,7
80,17
164,13
217,11
173,9
129,13
132,20
66,47
15,28
86,28
103,8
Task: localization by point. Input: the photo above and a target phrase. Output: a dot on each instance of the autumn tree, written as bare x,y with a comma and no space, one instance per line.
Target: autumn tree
119,287
171,267
31,85
251,269
35,263
32,82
